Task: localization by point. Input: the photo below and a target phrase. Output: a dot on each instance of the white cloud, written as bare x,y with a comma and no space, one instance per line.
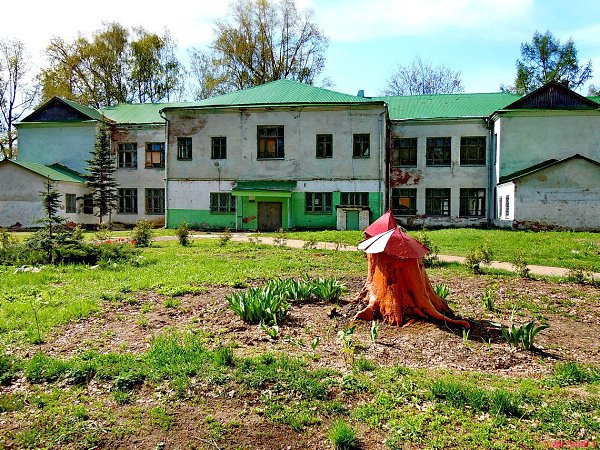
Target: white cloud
358,20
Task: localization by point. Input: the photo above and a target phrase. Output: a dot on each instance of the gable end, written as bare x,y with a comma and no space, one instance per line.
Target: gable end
56,110
553,96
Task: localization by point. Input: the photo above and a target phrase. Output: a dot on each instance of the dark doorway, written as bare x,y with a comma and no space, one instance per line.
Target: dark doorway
269,216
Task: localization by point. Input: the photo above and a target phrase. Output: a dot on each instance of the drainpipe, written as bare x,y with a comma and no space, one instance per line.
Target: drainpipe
491,200
382,133
160,112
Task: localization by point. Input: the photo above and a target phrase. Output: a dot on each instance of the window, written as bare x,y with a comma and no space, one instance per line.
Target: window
438,151
354,198
404,202
437,202
472,202
88,204
318,202
155,201
70,203
270,142
507,207
472,151
127,201
404,152
184,148
127,155
500,208
361,146
324,145
155,154
218,147
222,202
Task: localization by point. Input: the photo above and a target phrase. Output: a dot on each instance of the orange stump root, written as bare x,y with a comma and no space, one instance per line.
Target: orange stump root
399,289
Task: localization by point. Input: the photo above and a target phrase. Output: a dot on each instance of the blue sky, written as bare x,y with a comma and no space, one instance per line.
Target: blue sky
368,38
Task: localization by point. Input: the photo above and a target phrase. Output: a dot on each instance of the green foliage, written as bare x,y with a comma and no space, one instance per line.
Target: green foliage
580,275
431,258
183,233
442,290
572,373
272,331
102,169
225,237
143,233
523,335
479,255
545,59
345,336
342,436
259,305
489,297
521,266
374,331
9,367
50,205
328,289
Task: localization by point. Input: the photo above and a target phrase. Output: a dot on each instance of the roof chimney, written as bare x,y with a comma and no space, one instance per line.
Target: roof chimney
361,93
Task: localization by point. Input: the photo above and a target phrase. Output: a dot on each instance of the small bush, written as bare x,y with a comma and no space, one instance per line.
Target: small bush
580,275
183,233
520,265
479,255
442,290
103,232
225,237
143,233
342,436
432,258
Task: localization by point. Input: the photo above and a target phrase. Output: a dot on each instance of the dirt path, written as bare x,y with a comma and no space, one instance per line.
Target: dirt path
296,243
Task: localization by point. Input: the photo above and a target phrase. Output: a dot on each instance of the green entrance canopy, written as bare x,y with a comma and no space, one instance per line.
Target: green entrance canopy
267,188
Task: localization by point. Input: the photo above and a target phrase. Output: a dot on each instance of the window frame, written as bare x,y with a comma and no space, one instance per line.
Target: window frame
157,209
434,202
127,201
507,206
184,148
70,203
88,204
265,134
399,193
479,148
218,206
443,145
349,199
358,145
500,207
124,149
149,162
311,200
324,145
410,160
218,147
468,194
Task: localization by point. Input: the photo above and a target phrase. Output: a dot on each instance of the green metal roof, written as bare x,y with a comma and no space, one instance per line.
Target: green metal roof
55,172
595,98
446,106
277,93
265,185
137,113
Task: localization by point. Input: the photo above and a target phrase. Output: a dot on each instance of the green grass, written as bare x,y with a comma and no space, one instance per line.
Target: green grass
548,248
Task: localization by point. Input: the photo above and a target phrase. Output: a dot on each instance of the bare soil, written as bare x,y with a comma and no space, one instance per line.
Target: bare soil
572,311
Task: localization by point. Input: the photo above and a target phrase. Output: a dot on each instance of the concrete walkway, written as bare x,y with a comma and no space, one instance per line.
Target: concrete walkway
296,243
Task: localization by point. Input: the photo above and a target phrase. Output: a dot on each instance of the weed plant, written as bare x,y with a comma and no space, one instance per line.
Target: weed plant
442,290
521,266
342,436
489,297
479,255
432,258
572,373
225,237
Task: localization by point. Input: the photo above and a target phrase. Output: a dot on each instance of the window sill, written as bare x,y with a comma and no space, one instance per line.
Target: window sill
223,213
155,213
324,157
127,168
438,165
157,167
270,159
184,159
472,165
404,166
318,213
361,157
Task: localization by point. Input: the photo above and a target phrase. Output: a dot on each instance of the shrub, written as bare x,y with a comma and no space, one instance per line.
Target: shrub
183,233
142,233
342,436
225,237
482,254
432,258
520,265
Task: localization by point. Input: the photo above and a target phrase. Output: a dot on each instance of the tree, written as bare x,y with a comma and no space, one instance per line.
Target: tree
16,93
422,77
51,205
112,68
102,169
397,286
545,59
261,41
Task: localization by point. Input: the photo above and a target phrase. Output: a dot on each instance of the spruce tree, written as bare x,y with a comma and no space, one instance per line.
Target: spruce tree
51,205
102,170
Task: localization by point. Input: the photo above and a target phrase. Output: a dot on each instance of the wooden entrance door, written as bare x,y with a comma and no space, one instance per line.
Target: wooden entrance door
269,216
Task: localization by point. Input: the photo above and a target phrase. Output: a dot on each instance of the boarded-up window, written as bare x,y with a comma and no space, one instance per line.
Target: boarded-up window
270,142
404,201
155,154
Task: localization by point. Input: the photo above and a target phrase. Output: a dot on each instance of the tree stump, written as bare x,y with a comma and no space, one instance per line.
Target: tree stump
397,287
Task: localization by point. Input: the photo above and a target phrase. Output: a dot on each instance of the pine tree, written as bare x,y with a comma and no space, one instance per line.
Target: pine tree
102,169
51,205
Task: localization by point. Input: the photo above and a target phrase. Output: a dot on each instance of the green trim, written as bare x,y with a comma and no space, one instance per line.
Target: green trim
266,185
261,194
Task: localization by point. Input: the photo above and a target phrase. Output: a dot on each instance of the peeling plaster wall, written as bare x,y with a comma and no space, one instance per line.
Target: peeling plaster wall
566,196
531,137
69,144
301,125
454,177
139,178
20,199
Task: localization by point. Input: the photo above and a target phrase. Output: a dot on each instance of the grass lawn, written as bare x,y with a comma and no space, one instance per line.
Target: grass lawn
546,248
132,356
